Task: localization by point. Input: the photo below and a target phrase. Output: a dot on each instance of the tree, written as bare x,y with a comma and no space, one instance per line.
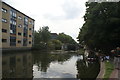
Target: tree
44,34
101,28
66,38
41,38
57,44
37,38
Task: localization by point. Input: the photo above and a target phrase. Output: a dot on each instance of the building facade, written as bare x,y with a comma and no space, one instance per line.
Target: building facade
16,28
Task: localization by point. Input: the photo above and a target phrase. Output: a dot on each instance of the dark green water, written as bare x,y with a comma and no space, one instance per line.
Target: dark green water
46,65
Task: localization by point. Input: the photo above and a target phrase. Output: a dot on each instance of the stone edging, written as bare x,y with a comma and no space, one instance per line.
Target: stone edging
102,70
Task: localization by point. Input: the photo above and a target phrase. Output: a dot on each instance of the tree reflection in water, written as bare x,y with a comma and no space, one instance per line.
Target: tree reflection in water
43,60
87,70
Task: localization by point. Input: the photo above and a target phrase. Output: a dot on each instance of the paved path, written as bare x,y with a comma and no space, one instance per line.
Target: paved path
102,70
115,75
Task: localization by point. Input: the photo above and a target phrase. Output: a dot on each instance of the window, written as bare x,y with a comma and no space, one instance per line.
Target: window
20,25
30,42
13,14
24,42
13,26
4,20
25,31
30,22
12,41
13,22
30,28
4,10
19,33
30,36
4,30
4,40
19,41
25,21
11,31
19,17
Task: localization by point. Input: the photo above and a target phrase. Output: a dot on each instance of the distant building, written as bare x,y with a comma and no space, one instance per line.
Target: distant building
54,35
16,28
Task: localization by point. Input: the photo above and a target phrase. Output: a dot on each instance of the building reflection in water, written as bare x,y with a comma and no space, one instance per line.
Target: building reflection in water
17,65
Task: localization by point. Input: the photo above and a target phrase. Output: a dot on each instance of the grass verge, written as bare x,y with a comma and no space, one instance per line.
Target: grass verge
81,51
109,67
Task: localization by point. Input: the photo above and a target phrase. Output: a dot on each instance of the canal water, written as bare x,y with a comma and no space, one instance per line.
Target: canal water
47,65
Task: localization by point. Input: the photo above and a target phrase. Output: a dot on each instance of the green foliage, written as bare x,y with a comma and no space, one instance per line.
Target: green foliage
101,29
41,38
108,70
66,38
85,72
40,46
36,37
44,34
57,44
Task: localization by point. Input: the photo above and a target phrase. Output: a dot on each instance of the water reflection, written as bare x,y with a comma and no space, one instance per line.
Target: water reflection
17,65
54,65
45,65
87,70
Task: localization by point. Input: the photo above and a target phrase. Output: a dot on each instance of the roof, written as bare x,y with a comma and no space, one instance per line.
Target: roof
17,10
54,34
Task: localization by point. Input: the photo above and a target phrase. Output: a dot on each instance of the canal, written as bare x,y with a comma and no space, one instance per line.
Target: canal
47,65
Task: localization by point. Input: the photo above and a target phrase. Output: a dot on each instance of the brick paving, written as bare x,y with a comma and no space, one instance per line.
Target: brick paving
115,74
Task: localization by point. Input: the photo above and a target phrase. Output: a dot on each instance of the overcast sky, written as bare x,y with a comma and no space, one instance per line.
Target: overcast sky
60,15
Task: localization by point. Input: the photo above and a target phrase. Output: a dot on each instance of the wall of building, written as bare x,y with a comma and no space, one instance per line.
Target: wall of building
30,32
0,24
19,35
0,41
5,25
19,30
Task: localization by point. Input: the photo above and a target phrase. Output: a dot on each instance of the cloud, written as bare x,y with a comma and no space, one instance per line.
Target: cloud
54,17
72,9
60,15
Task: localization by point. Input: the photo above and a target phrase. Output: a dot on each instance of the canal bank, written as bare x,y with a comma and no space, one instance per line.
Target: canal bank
15,49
